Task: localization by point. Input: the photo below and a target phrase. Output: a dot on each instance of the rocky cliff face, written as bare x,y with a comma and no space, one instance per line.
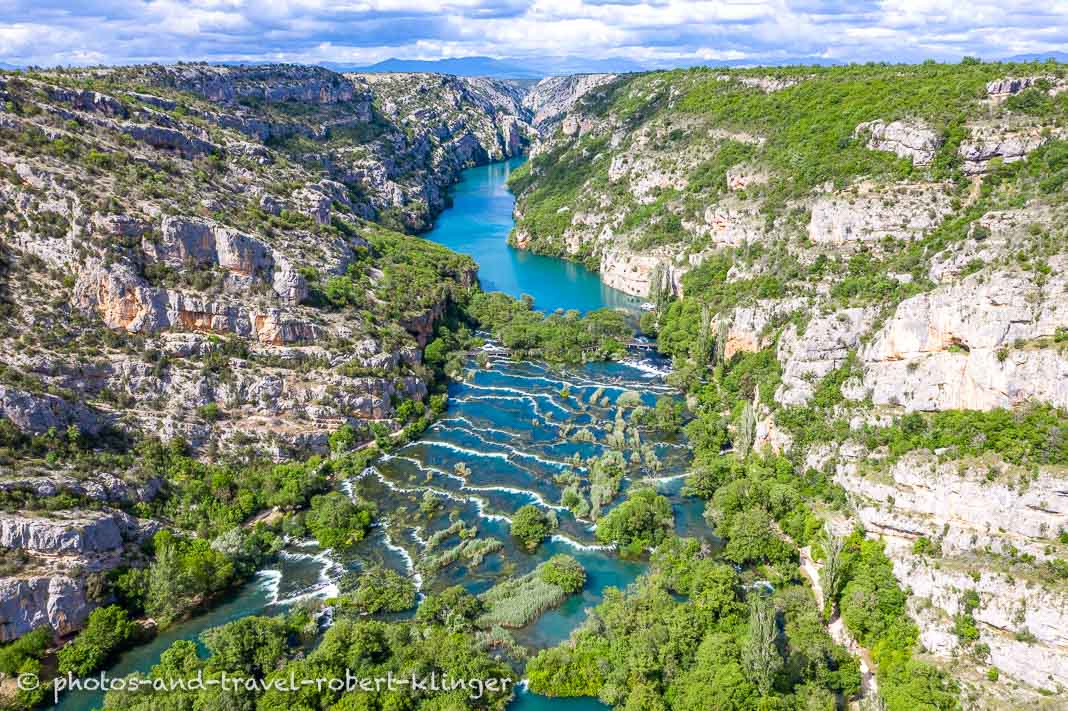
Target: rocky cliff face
213,254
903,267
553,97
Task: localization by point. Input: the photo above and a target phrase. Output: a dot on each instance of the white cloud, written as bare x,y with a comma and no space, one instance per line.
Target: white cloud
654,32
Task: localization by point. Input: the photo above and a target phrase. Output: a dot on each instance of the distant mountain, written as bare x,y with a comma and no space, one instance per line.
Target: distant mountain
1039,57
460,66
536,68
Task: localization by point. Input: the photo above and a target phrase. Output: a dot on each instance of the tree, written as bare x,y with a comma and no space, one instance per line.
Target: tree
642,521
722,334
745,430
751,538
186,572
253,645
704,346
564,572
343,439
380,589
453,608
833,572
668,414
760,654
530,526
106,631
337,521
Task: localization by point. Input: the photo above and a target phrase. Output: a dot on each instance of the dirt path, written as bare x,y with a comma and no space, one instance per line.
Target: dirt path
836,628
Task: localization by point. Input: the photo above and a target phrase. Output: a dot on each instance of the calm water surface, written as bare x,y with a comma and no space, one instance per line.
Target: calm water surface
478,224
508,423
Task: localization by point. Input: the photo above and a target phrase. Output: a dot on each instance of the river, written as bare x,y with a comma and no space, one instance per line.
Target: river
478,224
508,422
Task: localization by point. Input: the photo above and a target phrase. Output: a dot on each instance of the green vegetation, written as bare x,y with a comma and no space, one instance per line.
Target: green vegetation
1032,435
563,571
106,632
641,522
873,608
682,638
519,601
273,650
337,521
560,338
24,656
185,575
530,526
376,590
408,275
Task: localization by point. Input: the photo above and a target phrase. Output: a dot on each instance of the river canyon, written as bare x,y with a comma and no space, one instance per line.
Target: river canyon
504,421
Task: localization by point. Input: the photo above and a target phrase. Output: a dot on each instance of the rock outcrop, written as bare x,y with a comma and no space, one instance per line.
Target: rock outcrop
977,516
40,412
962,346
61,533
824,346
553,97
908,139
1007,144
192,242
904,211
27,603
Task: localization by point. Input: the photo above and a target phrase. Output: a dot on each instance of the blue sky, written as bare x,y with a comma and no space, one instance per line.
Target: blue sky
649,32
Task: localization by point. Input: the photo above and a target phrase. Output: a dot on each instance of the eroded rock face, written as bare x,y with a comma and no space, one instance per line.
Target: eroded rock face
102,487
65,533
86,100
38,413
978,513
553,97
1006,144
632,272
1006,607
200,242
823,347
274,83
908,139
27,603
1001,89
125,300
955,346
748,330
964,506
991,237
904,211
170,139
731,224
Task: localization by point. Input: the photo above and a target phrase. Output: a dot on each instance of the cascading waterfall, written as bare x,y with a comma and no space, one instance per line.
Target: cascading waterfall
513,427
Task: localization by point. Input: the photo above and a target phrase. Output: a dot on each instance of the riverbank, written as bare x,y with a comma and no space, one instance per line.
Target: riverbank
505,421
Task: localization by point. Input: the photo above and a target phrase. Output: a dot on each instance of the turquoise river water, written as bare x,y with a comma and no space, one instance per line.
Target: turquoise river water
508,423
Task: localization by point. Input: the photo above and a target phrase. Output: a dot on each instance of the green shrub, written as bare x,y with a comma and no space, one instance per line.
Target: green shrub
337,521
106,632
563,571
530,526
